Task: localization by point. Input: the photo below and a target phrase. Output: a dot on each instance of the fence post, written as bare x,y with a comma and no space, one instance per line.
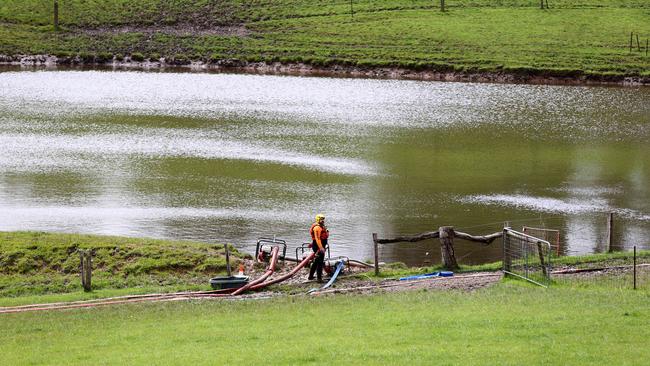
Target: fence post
507,259
227,260
541,259
631,37
85,257
635,267
447,247
610,231
374,240
526,260
56,15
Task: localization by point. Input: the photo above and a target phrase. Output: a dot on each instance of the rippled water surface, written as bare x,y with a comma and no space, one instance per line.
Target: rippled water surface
230,158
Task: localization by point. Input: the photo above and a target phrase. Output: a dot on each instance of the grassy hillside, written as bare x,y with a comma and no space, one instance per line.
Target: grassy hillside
509,324
573,37
33,263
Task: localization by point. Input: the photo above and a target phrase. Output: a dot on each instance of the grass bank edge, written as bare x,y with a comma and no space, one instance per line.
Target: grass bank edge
43,267
33,263
425,70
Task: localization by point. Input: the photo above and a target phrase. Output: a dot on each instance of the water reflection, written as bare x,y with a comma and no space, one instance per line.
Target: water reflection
584,234
230,158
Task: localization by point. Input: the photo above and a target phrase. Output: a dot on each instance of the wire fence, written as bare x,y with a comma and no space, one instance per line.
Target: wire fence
575,243
98,12
626,270
625,267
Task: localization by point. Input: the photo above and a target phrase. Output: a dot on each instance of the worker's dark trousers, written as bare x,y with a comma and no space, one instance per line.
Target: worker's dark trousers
319,261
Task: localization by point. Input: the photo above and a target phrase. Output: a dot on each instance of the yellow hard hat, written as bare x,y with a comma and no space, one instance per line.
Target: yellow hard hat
319,217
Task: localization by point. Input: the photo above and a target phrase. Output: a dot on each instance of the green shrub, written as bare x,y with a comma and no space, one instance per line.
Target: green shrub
104,57
62,54
216,57
137,56
86,57
25,264
253,58
180,59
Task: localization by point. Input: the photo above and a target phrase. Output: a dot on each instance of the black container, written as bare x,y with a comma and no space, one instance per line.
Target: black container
219,283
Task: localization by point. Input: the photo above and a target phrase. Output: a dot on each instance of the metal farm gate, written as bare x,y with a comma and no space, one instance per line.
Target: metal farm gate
526,257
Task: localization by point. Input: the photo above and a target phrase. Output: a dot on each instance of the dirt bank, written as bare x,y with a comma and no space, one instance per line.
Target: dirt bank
354,280
302,69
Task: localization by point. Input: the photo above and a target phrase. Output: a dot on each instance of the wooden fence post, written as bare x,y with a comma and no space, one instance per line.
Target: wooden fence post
540,252
374,240
447,247
56,15
631,37
225,246
634,265
507,255
610,231
85,257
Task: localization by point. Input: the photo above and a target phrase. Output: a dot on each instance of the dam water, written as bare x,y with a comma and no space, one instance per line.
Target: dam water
229,158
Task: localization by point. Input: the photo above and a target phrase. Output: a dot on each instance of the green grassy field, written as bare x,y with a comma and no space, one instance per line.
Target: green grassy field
573,38
508,324
576,321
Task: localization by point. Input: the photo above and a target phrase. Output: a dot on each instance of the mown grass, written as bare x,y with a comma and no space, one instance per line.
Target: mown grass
35,263
573,38
80,295
509,324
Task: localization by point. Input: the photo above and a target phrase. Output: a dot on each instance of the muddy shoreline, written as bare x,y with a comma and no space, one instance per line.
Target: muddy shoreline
302,69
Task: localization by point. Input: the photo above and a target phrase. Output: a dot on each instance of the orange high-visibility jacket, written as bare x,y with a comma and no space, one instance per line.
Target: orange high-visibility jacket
318,233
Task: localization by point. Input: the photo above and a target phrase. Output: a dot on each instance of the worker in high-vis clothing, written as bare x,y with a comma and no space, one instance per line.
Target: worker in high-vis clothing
319,235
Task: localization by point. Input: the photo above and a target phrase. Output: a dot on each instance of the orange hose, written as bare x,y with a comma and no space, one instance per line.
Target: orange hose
286,276
269,271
